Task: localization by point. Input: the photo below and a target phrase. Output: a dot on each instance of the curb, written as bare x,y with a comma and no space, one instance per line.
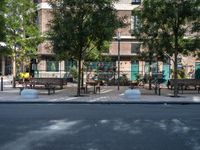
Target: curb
99,102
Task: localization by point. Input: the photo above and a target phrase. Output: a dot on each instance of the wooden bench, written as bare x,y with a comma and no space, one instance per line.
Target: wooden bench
50,89
48,81
185,83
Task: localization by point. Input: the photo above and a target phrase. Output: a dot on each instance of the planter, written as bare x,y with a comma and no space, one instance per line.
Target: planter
29,93
132,93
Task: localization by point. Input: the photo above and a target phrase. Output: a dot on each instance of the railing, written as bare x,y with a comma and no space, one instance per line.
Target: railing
104,75
52,74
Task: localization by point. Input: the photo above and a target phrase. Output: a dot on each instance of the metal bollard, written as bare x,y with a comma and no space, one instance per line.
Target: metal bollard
159,91
156,88
1,83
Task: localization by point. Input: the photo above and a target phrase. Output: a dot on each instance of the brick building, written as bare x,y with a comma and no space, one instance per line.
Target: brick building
129,48
128,45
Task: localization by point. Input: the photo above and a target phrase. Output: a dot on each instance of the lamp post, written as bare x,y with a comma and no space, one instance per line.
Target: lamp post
118,58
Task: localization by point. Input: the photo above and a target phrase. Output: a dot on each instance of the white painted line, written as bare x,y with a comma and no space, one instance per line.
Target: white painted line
196,98
99,98
106,91
71,98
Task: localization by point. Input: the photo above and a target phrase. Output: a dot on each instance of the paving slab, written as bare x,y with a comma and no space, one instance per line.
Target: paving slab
108,94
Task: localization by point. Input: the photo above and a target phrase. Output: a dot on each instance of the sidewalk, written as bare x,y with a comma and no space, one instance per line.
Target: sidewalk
109,94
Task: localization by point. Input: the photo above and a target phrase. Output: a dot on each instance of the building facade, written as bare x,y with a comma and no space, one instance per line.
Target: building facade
126,46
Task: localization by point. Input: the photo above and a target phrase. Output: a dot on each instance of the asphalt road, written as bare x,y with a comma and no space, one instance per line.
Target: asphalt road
99,127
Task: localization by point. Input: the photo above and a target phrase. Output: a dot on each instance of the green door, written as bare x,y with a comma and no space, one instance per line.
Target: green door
166,72
134,70
197,70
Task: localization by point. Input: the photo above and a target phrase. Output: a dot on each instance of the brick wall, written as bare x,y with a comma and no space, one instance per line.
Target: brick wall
44,18
125,48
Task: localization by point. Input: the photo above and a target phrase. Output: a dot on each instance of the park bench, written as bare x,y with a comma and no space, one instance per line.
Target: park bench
48,81
49,88
32,84
49,84
184,84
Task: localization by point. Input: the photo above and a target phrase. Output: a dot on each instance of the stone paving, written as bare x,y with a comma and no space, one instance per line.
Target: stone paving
109,94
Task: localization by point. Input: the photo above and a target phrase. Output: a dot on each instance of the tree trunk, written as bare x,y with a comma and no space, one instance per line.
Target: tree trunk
82,75
150,74
79,75
14,71
175,67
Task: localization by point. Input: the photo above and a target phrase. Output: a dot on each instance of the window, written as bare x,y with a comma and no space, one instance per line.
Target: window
52,66
135,47
136,1
69,64
135,23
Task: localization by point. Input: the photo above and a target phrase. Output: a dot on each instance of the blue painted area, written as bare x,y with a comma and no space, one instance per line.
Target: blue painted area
134,70
166,72
197,70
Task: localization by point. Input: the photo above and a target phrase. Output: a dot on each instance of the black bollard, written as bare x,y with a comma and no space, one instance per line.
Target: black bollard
156,88
1,83
159,91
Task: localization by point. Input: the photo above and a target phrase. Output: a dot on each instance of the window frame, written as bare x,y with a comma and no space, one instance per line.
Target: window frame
135,22
136,2
137,49
69,64
55,62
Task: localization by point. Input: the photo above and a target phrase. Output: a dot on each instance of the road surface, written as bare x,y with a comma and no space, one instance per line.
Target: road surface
99,127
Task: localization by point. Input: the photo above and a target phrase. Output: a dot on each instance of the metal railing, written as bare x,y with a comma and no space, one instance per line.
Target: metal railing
101,74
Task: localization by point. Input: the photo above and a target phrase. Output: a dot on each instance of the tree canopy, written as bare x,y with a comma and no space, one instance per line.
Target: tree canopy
21,26
2,22
22,32
80,26
3,49
174,24
147,31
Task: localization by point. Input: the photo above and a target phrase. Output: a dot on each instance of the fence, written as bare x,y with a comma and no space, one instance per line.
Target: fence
101,74
110,77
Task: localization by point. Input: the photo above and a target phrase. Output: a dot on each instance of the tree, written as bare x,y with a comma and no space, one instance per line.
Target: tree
22,33
80,26
175,19
2,23
147,31
194,43
179,18
3,49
